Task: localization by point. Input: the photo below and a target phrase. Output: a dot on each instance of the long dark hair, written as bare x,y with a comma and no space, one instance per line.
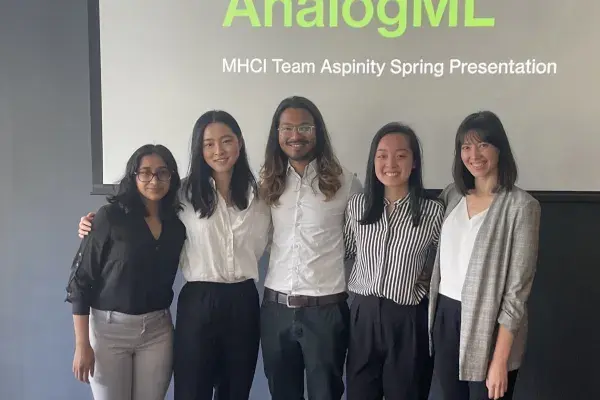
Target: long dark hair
273,171
488,128
128,196
198,189
374,189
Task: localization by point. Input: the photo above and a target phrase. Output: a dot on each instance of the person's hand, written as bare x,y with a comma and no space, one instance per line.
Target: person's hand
83,362
497,379
85,224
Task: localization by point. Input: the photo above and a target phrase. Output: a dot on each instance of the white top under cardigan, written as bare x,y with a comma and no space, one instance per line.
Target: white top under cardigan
458,238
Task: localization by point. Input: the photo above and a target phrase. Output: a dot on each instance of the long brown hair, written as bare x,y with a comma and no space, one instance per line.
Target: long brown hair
273,172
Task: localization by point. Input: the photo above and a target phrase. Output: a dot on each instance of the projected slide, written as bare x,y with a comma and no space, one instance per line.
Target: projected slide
157,65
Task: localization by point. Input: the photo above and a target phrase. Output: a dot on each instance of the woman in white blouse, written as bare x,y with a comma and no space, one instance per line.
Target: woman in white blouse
484,268
218,314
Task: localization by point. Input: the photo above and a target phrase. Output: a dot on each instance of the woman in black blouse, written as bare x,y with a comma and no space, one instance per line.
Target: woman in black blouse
121,281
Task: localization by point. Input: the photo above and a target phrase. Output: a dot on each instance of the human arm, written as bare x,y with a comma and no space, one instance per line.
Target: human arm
436,228
497,376
521,272
80,292
348,231
522,266
349,220
83,359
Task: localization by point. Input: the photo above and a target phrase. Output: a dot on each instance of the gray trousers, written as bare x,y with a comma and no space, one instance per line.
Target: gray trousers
133,355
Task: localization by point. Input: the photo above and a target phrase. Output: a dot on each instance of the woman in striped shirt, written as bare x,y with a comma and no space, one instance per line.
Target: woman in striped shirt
391,233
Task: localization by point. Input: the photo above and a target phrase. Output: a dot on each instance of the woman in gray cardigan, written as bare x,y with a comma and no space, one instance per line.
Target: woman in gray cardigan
484,268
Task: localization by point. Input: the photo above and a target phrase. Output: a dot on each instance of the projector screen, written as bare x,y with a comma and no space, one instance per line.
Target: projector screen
157,65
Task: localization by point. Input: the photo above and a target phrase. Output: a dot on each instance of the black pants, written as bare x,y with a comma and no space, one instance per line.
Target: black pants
388,354
217,336
446,341
311,338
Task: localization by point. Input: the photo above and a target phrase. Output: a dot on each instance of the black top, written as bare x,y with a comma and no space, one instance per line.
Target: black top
121,267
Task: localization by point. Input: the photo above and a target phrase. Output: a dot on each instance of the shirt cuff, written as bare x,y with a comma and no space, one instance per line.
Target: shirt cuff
80,308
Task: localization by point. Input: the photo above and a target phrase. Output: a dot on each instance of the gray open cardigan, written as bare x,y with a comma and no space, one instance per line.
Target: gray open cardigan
498,280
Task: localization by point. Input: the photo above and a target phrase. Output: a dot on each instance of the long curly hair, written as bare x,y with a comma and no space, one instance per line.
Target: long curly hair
273,171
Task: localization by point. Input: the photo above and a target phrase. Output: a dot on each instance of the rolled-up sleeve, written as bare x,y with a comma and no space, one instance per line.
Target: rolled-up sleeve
522,266
87,265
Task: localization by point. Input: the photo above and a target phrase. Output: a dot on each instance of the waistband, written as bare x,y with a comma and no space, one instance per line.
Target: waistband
119,317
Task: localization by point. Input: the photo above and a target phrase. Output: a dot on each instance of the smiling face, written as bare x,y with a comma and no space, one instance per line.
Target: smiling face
220,148
153,177
479,157
297,134
394,160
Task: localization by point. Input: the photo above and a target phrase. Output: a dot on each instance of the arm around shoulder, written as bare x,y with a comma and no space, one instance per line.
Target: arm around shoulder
522,265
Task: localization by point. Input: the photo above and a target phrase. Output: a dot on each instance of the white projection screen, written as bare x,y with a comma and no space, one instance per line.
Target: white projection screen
157,65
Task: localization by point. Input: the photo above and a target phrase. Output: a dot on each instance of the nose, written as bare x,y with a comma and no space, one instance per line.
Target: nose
296,135
390,162
219,149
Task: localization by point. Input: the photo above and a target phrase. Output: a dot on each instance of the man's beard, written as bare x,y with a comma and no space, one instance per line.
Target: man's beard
309,155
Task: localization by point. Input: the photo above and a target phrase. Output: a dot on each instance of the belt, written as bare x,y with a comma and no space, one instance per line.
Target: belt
303,301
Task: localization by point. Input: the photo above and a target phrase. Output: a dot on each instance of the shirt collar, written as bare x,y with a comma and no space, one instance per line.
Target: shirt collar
250,193
309,171
404,200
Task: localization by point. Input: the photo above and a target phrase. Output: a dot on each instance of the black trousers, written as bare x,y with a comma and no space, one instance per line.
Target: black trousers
388,354
217,336
312,338
446,341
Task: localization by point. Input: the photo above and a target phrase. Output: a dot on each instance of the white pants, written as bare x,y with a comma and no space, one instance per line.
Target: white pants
134,355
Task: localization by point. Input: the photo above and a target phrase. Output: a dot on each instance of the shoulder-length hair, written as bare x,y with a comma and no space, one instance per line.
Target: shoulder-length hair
488,128
273,171
374,190
128,196
198,189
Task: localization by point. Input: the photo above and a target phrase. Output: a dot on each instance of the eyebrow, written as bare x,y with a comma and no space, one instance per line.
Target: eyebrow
394,150
226,136
150,168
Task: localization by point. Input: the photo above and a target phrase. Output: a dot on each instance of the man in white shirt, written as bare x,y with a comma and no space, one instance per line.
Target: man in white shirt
305,316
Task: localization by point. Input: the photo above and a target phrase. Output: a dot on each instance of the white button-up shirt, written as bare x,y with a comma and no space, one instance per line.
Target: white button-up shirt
307,250
227,246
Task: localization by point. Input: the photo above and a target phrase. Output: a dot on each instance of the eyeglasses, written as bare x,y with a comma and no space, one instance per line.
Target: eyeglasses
162,175
302,129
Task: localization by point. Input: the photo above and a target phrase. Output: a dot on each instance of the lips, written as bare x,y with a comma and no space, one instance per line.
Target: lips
296,145
478,165
391,174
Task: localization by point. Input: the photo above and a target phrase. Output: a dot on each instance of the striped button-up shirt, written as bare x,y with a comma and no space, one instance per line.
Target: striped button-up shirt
391,257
